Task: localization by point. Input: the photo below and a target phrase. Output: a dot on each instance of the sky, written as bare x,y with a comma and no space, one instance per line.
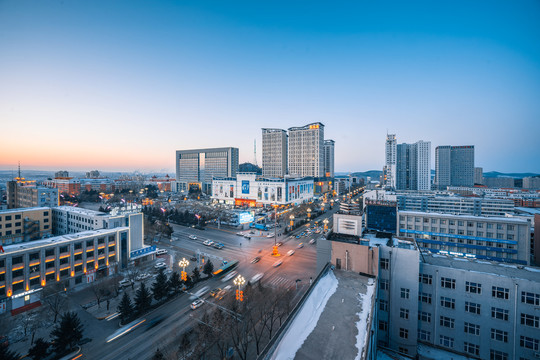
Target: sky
120,85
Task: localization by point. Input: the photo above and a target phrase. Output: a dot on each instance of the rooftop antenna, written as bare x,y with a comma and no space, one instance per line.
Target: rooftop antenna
19,169
255,152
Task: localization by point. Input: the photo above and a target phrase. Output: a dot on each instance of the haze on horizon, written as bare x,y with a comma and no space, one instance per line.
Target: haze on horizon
122,85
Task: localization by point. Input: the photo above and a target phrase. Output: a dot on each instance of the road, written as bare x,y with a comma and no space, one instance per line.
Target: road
142,341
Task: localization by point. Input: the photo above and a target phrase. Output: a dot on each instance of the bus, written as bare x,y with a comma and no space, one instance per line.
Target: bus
226,268
259,226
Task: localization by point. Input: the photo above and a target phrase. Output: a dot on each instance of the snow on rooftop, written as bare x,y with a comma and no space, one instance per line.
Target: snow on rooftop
431,353
306,319
362,323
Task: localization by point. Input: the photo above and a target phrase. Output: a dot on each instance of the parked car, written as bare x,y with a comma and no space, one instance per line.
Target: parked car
240,234
125,283
270,235
161,252
256,260
160,265
279,243
197,303
290,253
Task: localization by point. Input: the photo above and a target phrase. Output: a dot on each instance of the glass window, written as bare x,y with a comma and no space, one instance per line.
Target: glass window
404,293
500,292
473,287
448,283
499,335
471,328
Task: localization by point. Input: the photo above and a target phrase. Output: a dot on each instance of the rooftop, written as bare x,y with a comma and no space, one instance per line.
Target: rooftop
19,210
465,217
81,211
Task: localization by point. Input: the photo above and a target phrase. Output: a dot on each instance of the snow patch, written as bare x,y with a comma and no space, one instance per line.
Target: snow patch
307,318
365,300
532,269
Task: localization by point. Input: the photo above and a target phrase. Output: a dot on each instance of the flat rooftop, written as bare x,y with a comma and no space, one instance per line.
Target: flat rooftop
464,217
81,211
492,267
333,322
35,244
19,210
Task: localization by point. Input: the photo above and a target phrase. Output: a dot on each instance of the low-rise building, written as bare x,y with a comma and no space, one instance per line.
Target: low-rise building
22,194
25,224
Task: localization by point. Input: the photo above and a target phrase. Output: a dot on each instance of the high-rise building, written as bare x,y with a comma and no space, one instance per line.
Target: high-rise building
274,152
478,175
306,150
329,158
454,166
413,170
390,161
198,167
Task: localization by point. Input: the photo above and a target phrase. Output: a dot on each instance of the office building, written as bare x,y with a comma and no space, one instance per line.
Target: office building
306,150
458,205
454,166
197,168
389,171
274,152
478,176
413,166
22,194
329,158
25,224
247,189
492,238
499,182
381,215
531,183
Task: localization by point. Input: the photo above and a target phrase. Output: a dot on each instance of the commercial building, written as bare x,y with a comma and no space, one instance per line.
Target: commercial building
22,194
274,152
478,176
455,205
491,238
198,167
329,158
389,171
454,166
381,215
24,224
246,189
413,163
306,150
499,182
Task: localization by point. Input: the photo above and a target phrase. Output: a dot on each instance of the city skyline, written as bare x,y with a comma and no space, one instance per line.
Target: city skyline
123,86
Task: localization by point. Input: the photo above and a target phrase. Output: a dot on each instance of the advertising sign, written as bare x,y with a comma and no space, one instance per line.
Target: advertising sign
245,217
245,186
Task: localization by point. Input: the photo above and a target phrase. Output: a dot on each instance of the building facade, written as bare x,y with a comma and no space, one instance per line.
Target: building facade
455,205
531,183
478,175
329,146
25,224
198,167
413,163
454,166
381,215
306,150
390,161
23,194
491,238
274,152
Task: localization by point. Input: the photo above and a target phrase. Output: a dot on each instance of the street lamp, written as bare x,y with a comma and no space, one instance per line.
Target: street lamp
325,222
292,221
183,263
308,214
239,281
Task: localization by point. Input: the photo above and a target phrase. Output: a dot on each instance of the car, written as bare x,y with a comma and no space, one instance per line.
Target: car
298,236
290,253
247,236
125,283
312,241
270,235
240,234
161,252
160,265
142,276
279,243
256,278
301,245
277,263
193,258
229,276
192,237
208,242
197,303
218,245
214,292
154,322
256,260
220,294
200,292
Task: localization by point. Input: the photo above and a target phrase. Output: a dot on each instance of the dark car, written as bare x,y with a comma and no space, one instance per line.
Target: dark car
193,258
256,260
154,322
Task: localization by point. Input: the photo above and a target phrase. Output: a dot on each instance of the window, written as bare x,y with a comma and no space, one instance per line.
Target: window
528,343
404,313
34,256
509,227
17,216
17,260
500,314
473,287
383,305
446,341
383,284
78,257
470,328
471,348
424,297
425,279
448,283
424,316
90,243
64,261
499,292
101,240
403,333
446,322
530,298
17,273
404,293
78,246
63,249
385,263
497,355
424,335
530,320
499,335
451,222
383,325
448,302
500,227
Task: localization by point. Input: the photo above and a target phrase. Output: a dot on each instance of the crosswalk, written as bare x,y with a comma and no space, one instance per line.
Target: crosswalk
280,282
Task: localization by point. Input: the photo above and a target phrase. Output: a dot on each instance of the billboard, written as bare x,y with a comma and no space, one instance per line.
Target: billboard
245,217
245,186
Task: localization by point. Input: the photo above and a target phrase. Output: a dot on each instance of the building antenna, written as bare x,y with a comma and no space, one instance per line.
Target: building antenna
255,152
19,169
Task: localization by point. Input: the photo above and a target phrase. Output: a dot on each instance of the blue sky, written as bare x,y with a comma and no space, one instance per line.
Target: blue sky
121,85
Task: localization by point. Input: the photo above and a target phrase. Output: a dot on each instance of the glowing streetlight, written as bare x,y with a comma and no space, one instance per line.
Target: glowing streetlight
325,222
292,221
308,214
183,263
239,281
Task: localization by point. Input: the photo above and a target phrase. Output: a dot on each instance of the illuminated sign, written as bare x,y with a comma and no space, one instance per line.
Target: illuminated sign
143,251
316,126
245,186
245,217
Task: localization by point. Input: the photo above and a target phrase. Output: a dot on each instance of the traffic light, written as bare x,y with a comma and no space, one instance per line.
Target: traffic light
241,295
237,294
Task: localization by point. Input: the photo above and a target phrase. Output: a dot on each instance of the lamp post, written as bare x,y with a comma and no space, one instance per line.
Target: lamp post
239,281
292,221
183,263
308,214
325,222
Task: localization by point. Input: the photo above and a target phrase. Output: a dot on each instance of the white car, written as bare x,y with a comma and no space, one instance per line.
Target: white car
160,265
142,276
290,253
270,235
312,241
161,251
277,263
208,242
197,303
256,278
125,283
229,276
240,233
192,237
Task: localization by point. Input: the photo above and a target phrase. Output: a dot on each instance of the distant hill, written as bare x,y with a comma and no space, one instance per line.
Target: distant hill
373,174
495,174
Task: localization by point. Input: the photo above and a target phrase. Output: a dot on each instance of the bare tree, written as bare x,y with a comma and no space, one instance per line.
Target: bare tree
54,297
100,291
132,274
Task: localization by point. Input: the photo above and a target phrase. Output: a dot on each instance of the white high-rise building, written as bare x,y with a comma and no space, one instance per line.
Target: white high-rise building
274,152
329,158
306,150
390,161
423,165
413,166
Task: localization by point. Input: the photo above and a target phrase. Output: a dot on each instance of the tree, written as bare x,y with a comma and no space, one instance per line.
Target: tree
55,298
208,268
160,288
67,334
158,355
125,308
100,291
39,351
6,354
143,299
175,284
196,275
185,345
